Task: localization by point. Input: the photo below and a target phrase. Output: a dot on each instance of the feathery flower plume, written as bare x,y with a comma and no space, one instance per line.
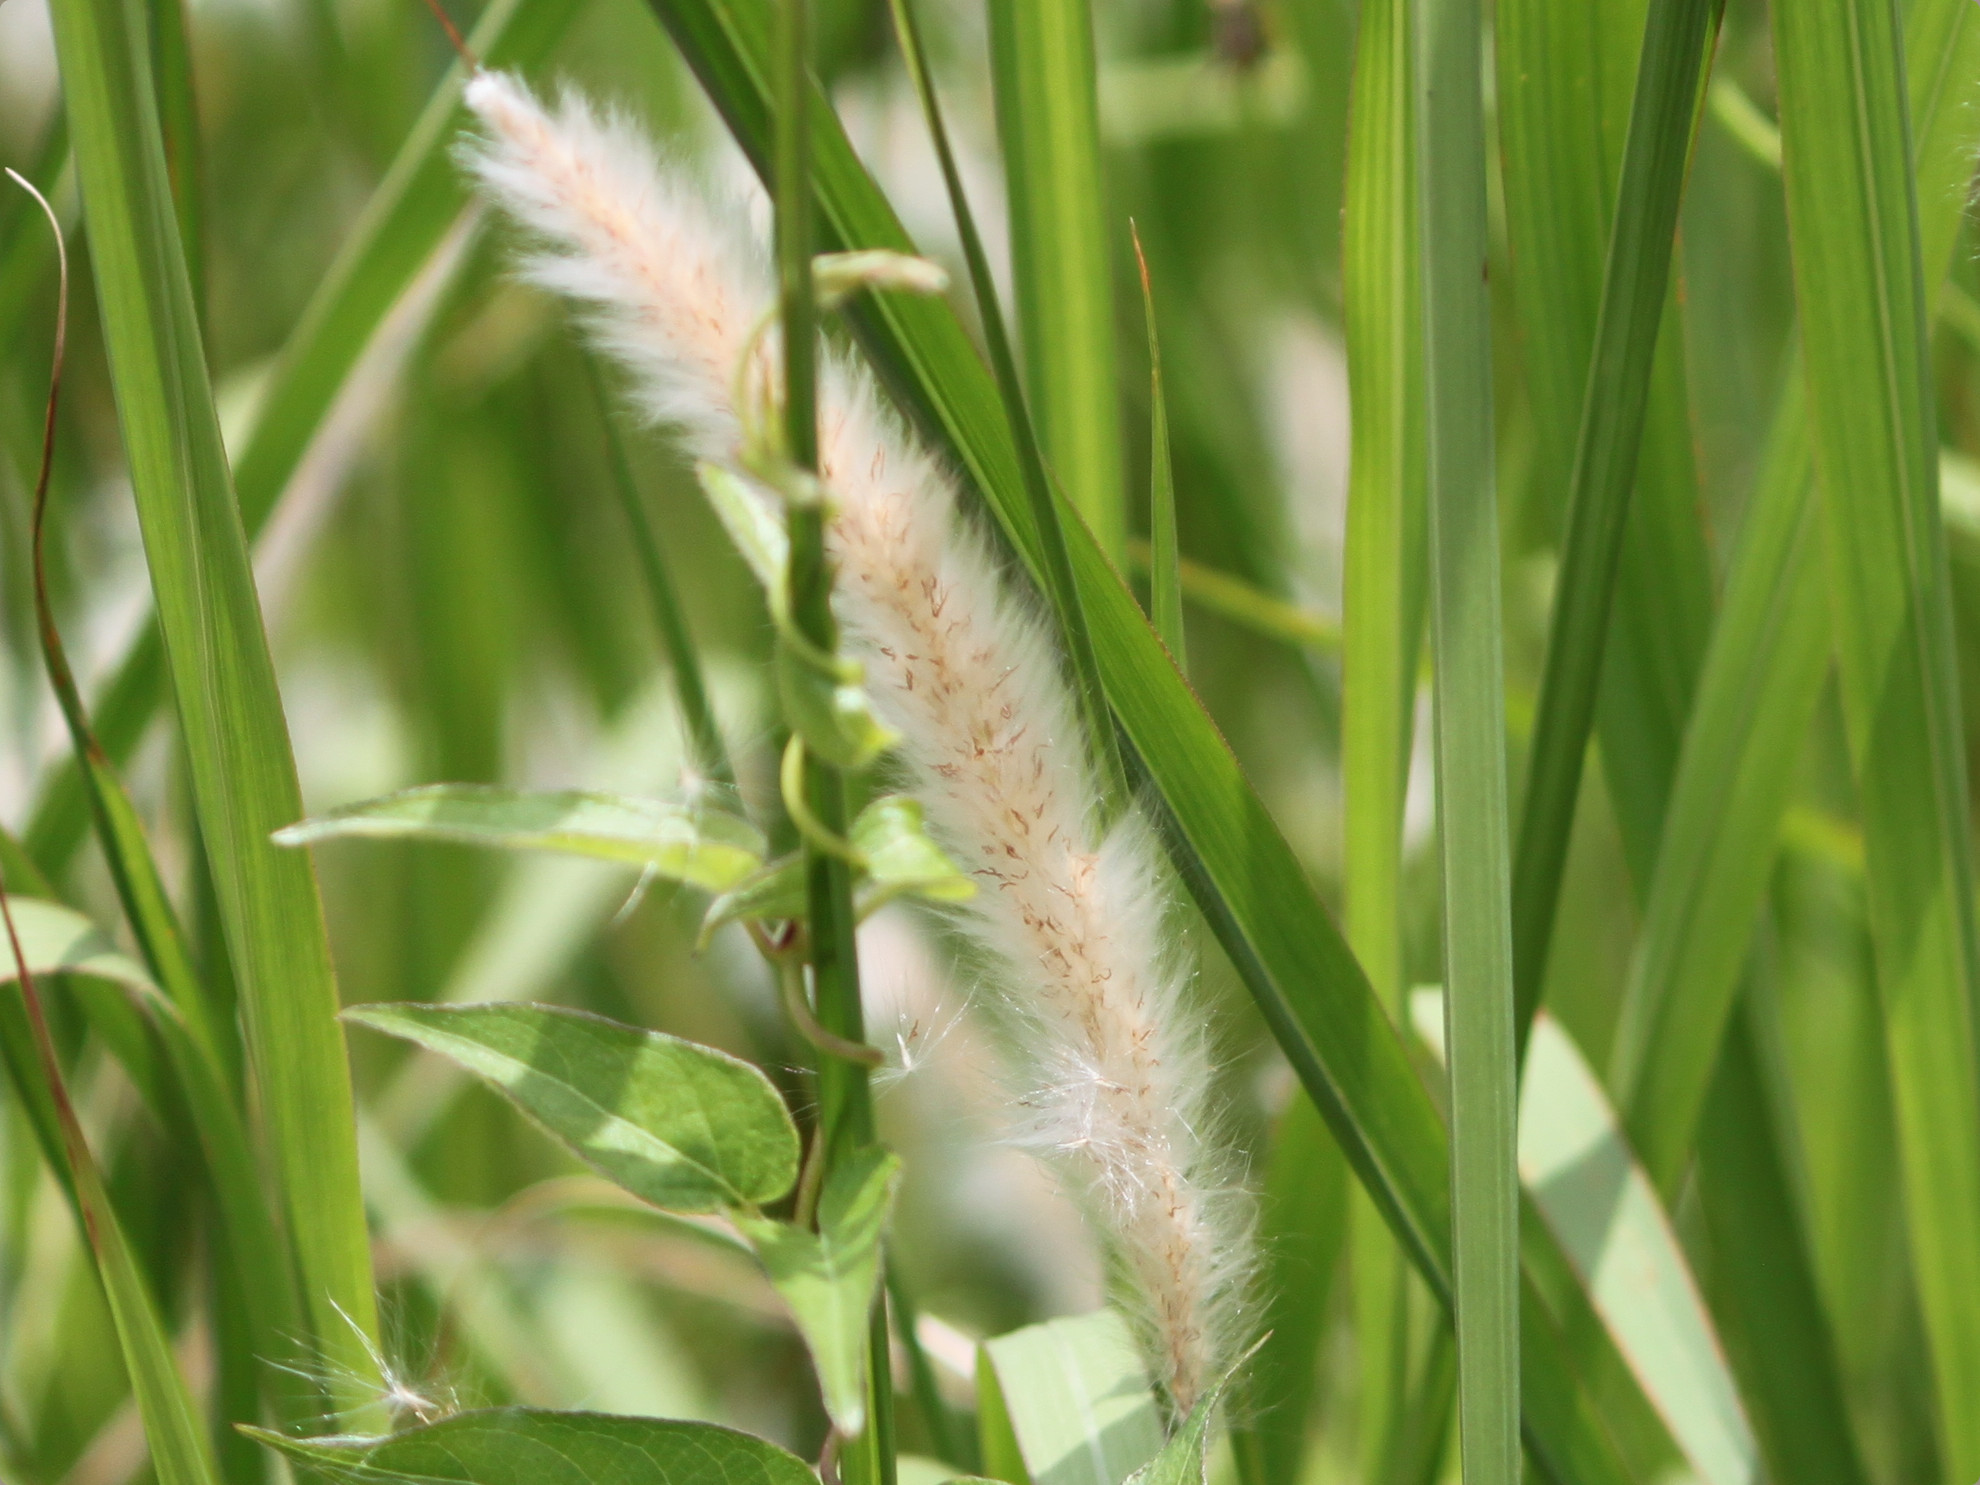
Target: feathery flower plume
961,665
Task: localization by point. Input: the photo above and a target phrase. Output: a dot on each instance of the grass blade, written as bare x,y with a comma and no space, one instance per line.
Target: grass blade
1043,77
1859,283
1381,620
1677,41
1470,734
230,711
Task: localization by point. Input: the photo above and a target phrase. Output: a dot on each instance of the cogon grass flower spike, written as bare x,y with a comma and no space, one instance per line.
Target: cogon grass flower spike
1069,920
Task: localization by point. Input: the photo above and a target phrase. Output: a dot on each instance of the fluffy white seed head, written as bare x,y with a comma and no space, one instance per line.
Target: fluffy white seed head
1070,923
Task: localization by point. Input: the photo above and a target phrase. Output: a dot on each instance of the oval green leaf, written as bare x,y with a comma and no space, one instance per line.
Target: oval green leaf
683,1126
534,1446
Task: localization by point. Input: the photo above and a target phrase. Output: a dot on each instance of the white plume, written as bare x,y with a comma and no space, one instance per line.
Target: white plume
1071,924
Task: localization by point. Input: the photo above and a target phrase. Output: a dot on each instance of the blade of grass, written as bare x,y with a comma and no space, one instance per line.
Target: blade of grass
1381,621
173,1434
1164,554
1676,43
178,118
1237,865
1251,608
1451,248
1859,281
401,227
1042,73
229,708
1049,521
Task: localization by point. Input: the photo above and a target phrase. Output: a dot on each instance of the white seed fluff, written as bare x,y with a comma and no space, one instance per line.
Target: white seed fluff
1071,924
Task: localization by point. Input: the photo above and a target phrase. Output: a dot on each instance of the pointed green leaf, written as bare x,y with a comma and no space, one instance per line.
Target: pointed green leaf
700,844
533,1446
829,1278
683,1126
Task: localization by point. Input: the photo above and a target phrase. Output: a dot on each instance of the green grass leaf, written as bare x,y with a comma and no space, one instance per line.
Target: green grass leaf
1066,1403
230,712
683,1126
1043,81
700,844
830,1277
1164,552
1613,1229
1859,284
1451,249
534,1446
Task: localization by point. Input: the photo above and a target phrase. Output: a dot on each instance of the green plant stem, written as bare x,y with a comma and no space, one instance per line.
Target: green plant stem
1470,737
845,1101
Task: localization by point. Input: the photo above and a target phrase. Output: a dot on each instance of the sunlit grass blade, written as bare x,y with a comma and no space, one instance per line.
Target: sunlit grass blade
1677,41
177,1442
1860,289
230,711
1237,865
1451,249
402,226
1043,79
1068,1402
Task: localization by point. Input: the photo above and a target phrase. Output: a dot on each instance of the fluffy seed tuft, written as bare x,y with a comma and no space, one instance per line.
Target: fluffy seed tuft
1070,922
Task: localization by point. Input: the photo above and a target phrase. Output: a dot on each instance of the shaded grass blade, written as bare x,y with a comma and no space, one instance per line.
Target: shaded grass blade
1044,81
230,711
1859,281
1470,734
1677,41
